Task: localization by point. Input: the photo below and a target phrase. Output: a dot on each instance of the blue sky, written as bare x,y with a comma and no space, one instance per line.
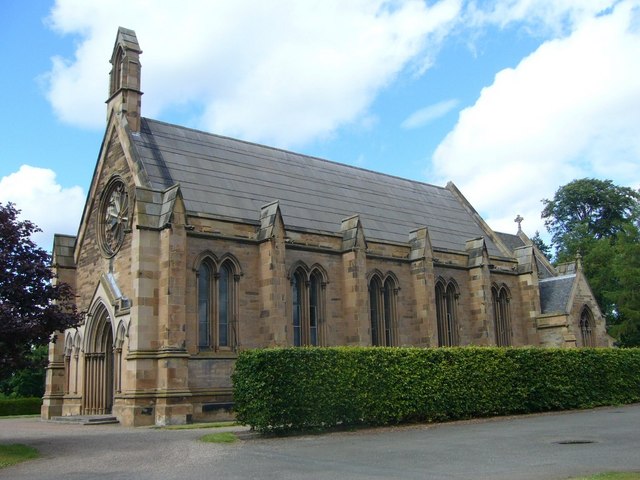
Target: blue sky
509,99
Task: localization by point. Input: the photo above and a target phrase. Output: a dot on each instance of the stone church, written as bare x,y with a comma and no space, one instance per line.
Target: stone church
193,247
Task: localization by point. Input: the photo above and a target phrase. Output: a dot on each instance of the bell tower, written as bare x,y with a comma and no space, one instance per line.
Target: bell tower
125,97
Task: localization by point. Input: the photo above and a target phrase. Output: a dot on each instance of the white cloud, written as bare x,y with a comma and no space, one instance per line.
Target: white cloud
44,202
428,114
284,72
569,110
540,17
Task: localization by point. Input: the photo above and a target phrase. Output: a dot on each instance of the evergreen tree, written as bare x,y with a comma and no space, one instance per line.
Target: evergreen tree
541,245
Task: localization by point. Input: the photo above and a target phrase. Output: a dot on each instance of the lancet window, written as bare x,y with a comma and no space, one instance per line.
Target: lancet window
502,315
307,313
446,313
382,308
217,304
587,328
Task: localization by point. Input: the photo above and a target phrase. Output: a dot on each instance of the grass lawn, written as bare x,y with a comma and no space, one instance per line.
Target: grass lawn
222,437
611,476
16,453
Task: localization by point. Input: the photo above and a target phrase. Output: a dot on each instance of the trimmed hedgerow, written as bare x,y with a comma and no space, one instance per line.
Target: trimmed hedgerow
309,388
20,406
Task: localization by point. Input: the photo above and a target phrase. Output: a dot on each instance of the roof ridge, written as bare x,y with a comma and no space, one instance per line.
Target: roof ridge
559,277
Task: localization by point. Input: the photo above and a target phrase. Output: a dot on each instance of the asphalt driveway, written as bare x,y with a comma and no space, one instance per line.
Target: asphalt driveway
548,446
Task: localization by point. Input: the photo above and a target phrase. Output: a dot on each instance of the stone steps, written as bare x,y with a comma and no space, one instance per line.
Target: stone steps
86,419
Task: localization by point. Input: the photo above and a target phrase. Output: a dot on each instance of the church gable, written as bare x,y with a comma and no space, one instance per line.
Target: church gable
104,239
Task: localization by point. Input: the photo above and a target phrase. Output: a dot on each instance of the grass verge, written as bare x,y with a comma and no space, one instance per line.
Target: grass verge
222,437
194,426
611,476
16,453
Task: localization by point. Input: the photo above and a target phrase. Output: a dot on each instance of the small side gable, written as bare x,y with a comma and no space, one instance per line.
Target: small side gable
155,208
420,242
477,251
352,233
270,220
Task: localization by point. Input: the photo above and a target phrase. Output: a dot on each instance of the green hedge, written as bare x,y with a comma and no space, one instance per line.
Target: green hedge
20,406
302,388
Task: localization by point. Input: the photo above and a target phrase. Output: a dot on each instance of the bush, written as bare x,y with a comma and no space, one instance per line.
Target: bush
20,406
28,381
303,388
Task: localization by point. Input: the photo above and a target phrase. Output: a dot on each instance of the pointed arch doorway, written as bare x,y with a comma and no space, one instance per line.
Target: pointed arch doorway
98,392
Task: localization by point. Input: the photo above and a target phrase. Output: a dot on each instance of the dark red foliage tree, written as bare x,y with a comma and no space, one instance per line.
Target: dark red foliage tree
31,306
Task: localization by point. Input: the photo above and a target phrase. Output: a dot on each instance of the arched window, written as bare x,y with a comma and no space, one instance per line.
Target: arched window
446,313
315,293
587,328
68,351
225,281
307,298
116,72
205,276
77,347
374,309
502,315
216,305
297,283
382,308
117,356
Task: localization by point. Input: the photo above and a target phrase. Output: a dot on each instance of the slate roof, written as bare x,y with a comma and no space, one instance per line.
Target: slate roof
233,179
555,293
543,270
514,241
511,241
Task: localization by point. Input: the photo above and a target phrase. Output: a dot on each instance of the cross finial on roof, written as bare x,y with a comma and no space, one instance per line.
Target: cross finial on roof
519,220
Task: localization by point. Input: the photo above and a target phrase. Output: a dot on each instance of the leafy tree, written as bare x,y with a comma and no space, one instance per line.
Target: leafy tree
601,221
586,210
29,381
32,307
613,270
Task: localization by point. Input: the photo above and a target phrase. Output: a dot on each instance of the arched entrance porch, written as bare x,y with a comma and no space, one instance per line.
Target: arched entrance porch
97,398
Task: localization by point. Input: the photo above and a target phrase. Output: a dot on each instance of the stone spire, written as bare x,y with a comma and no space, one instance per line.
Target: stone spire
124,79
